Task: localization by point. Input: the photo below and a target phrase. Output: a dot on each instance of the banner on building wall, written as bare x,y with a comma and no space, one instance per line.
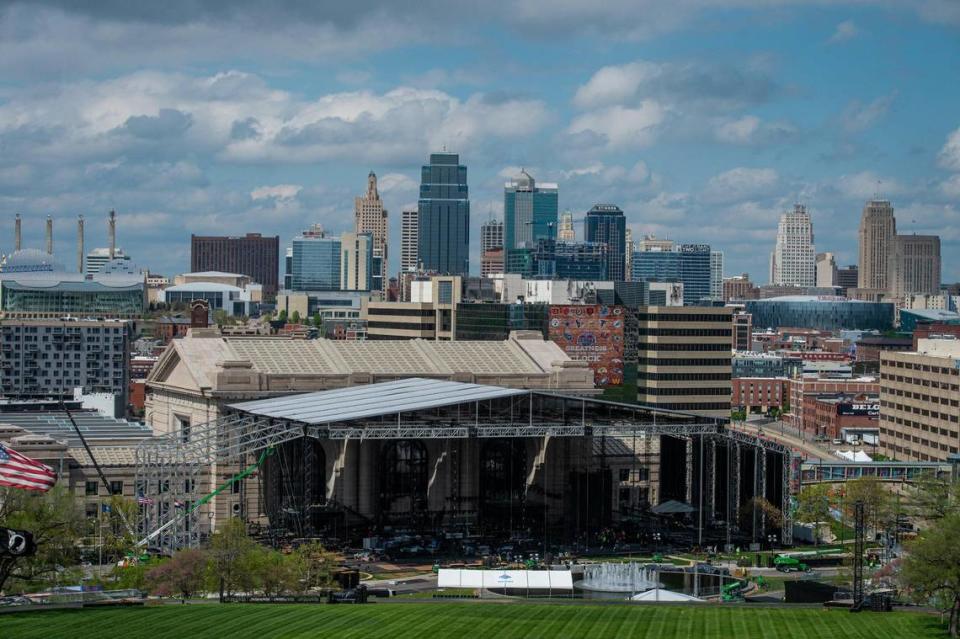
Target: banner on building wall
591,333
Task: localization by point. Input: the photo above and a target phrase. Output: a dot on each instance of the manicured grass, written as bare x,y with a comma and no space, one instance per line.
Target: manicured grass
475,619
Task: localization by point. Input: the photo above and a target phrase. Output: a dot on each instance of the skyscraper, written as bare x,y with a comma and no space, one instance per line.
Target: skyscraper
566,232
443,231
408,240
687,263
356,261
314,262
716,275
793,262
606,223
915,266
628,241
826,270
370,217
253,255
529,213
491,235
878,231
491,248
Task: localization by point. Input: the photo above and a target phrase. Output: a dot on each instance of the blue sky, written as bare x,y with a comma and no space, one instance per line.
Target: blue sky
703,120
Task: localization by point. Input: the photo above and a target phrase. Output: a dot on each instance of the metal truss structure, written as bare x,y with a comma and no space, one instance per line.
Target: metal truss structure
175,471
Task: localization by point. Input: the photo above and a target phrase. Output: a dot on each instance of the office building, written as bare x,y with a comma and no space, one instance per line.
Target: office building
826,270
371,217
606,223
408,240
443,230
920,401
491,235
716,275
98,257
792,262
233,300
739,287
568,260
356,262
878,230
653,243
486,321
690,264
847,278
915,266
750,364
628,267
529,214
566,232
252,254
821,312
314,262
684,357
491,262
742,331
807,389
50,358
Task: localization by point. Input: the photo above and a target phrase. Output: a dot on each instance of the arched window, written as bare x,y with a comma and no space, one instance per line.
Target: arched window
503,466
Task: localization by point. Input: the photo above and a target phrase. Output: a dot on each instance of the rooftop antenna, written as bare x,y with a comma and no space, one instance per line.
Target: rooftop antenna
16,228
49,235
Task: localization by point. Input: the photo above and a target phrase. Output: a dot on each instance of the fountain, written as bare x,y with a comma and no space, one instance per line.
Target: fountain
625,577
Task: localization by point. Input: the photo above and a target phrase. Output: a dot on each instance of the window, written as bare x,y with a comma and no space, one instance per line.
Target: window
91,488
116,488
624,474
183,427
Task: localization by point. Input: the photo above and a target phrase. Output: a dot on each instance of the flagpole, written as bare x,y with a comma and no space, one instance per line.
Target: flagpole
100,538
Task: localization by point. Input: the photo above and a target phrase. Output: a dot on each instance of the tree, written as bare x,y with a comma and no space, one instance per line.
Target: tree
118,538
282,316
877,501
56,520
933,499
278,573
760,506
317,320
931,568
182,574
229,550
314,566
813,504
295,318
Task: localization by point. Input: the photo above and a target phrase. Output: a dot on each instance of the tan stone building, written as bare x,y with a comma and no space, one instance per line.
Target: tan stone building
920,401
684,360
371,217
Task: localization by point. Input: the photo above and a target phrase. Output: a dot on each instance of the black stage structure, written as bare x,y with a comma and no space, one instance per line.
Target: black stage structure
442,456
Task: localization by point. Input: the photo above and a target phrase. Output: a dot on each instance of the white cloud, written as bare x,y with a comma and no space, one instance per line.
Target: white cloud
750,129
615,84
859,117
622,127
951,186
949,157
279,191
741,183
396,183
867,184
845,31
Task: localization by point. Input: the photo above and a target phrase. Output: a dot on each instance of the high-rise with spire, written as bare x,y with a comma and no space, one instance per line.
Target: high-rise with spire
878,233
370,217
443,233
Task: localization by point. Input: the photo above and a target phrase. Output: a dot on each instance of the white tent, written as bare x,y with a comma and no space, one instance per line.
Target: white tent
659,594
506,579
853,455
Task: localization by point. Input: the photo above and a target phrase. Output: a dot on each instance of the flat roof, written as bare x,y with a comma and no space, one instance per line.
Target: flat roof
373,400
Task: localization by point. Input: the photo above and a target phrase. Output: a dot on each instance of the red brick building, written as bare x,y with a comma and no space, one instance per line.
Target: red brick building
804,392
924,330
833,413
758,394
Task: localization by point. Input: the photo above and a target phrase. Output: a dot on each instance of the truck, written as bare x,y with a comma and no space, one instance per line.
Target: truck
786,563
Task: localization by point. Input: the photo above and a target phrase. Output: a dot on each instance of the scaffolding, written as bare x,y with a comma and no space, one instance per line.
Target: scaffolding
176,470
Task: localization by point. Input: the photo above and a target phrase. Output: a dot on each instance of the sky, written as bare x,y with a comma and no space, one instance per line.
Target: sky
704,120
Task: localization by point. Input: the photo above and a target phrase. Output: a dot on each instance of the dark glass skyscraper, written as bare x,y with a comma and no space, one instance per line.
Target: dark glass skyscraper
444,216
529,214
687,263
606,223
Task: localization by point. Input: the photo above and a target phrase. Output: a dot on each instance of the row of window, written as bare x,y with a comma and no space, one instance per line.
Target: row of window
684,332
686,390
918,440
409,326
643,346
934,399
916,381
947,417
684,361
694,405
725,318
926,428
682,377
925,368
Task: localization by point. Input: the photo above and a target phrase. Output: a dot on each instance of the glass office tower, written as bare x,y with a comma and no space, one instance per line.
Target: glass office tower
529,214
444,216
606,223
315,262
687,263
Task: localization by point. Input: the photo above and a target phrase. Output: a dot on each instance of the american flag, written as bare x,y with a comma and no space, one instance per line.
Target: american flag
144,501
19,471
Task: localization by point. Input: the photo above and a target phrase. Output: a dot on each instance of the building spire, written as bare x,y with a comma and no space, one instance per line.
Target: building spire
372,186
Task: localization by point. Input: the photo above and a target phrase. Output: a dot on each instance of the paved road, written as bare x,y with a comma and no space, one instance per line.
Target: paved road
779,432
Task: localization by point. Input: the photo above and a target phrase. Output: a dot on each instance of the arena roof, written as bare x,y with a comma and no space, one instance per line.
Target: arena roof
373,400
56,424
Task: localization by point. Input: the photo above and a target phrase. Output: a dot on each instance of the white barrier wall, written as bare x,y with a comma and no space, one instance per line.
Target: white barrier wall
519,579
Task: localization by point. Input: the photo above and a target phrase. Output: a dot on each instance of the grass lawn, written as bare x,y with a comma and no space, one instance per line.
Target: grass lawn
444,619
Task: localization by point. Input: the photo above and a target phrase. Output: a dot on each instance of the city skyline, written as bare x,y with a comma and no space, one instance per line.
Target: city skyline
701,127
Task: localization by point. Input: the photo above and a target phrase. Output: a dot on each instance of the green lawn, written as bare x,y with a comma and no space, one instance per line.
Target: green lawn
443,619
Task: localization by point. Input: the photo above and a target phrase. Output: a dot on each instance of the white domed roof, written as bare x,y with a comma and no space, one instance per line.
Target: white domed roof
31,261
